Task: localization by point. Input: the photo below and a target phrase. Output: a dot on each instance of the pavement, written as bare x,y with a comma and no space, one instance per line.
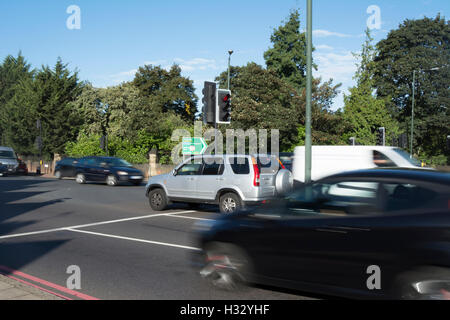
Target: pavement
14,289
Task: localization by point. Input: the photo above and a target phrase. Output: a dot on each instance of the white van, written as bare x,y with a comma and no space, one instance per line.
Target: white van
328,160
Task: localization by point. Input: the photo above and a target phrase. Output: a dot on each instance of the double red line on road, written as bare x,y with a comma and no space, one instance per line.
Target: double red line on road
20,276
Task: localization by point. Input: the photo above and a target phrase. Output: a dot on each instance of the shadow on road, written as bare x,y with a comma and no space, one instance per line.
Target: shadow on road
18,254
13,192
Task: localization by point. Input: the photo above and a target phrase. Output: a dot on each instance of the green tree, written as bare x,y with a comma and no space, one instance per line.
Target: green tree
418,45
287,57
55,89
363,111
167,90
261,100
13,71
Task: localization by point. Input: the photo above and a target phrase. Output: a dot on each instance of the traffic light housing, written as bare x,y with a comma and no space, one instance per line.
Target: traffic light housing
209,103
381,136
223,106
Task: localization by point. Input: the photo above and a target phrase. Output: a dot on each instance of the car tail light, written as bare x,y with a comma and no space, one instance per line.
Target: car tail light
256,173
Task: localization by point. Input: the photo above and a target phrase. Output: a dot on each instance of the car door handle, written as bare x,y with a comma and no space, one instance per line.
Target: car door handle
331,230
220,179
341,229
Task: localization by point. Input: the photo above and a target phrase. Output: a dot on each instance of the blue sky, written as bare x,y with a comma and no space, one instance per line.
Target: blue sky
116,37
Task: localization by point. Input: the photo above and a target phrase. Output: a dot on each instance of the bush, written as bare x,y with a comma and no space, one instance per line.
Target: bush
84,146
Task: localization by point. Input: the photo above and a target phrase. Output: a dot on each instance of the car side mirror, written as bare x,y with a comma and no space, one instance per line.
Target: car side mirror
174,172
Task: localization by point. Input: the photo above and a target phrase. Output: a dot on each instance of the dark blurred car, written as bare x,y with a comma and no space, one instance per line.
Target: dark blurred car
330,237
66,168
22,168
3,170
111,170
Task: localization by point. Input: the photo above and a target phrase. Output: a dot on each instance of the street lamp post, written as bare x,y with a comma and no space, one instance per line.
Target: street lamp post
412,108
229,60
308,93
412,114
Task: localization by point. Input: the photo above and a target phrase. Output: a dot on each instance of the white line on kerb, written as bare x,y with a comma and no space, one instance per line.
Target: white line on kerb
134,239
92,224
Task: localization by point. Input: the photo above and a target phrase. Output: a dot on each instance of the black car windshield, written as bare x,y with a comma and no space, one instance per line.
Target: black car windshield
405,155
116,162
7,154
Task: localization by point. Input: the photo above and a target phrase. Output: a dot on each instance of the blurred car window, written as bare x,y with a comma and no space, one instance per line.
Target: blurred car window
408,196
381,160
337,198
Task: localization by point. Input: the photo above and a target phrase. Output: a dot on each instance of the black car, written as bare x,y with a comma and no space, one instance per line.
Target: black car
111,170
66,168
3,170
286,159
380,233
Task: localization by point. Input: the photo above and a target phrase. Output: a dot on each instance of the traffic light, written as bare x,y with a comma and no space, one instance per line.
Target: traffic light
381,136
403,141
223,106
209,102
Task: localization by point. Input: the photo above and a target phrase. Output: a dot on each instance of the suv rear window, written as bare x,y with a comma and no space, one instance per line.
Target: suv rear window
239,165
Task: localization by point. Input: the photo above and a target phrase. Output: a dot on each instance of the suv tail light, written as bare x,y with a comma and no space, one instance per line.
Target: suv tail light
256,173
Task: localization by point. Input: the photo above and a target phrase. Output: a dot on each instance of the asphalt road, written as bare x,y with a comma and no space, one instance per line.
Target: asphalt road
123,249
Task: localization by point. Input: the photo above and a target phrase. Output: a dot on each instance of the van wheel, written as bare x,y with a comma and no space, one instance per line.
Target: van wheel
229,203
157,199
58,175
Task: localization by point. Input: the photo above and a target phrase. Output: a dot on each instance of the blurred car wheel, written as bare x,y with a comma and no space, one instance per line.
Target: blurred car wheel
80,178
226,267
111,181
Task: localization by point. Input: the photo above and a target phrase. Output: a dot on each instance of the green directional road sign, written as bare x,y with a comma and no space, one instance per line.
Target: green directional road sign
193,146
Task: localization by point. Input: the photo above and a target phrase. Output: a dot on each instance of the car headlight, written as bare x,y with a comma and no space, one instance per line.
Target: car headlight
122,173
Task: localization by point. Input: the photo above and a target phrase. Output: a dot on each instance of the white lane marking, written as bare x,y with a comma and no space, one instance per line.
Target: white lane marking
134,239
193,218
91,224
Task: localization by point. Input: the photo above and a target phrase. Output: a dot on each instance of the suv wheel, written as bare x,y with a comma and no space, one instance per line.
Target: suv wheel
157,199
229,203
80,178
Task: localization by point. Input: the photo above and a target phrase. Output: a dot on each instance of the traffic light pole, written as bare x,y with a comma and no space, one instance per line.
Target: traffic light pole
412,114
308,94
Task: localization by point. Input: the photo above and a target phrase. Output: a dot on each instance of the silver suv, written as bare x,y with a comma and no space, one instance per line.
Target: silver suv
231,181
8,159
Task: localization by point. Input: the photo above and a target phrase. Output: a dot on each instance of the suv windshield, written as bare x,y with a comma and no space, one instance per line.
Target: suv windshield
7,154
405,155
